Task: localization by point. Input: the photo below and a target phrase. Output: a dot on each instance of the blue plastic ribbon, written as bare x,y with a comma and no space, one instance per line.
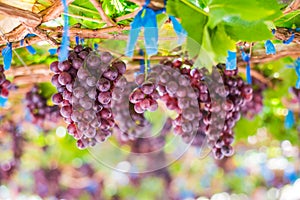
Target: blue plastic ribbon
289,120
81,40
179,30
52,51
7,56
270,48
248,74
96,46
297,69
63,55
29,48
3,101
273,31
231,60
246,58
288,41
77,39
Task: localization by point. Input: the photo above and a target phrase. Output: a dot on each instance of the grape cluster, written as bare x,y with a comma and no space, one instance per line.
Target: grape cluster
172,86
16,146
254,107
38,108
236,94
130,124
5,84
85,83
208,105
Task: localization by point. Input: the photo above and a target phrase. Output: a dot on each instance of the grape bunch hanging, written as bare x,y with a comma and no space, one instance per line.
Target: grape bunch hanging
39,110
5,85
85,83
96,99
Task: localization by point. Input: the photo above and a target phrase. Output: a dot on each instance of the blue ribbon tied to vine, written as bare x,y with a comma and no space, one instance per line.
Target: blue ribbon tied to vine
7,56
246,58
297,69
231,60
63,54
146,18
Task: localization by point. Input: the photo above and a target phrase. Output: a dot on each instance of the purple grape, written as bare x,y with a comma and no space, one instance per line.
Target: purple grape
136,96
104,97
79,92
93,61
139,79
83,54
106,57
54,67
54,80
147,88
120,66
111,73
91,81
57,98
64,78
77,63
105,113
171,87
66,111
103,85
64,66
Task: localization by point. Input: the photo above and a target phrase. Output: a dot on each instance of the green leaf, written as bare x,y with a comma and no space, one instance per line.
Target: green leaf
239,29
289,20
193,25
221,43
246,127
248,10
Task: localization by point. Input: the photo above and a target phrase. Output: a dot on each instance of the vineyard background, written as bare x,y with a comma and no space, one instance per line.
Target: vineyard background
266,162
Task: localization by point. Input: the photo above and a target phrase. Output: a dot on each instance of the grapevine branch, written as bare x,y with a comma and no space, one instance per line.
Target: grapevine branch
54,11
284,34
293,6
104,17
31,19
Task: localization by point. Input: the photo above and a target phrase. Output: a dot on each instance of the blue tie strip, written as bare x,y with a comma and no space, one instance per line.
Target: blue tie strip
289,120
63,55
246,58
146,18
179,30
288,41
29,48
2,101
297,69
52,51
96,46
7,56
248,74
231,61
77,39
270,48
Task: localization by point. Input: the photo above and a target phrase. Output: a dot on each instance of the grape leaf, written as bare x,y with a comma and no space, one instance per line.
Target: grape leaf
221,43
289,20
248,10
193,25
239,29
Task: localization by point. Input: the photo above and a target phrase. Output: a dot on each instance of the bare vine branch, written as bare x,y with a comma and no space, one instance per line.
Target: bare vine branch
293,6
284,34
104,17
54,11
